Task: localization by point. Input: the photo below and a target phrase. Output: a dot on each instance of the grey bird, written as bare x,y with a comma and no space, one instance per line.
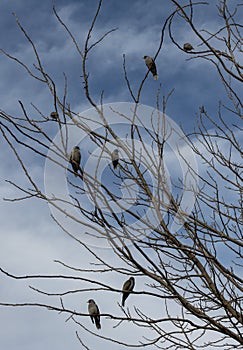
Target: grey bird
188,47
94,313
151,66
54,115
75,159
115,158
127,289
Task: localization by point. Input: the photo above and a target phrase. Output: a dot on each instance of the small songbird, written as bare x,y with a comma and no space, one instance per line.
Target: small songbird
188,47
151,66
115,158
94,313
127,289
54,115
75,159
202,109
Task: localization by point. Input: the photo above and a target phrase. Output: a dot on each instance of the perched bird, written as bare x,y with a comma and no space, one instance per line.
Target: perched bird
127,289
94,313
151,66
188,47
54,115
75,159
202,109
115,158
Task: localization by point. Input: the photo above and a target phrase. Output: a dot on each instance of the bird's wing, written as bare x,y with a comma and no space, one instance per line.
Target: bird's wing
97,310
153,67
78,157
127,285
114,156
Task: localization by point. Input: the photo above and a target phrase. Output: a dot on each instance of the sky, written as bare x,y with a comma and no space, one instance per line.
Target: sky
30,240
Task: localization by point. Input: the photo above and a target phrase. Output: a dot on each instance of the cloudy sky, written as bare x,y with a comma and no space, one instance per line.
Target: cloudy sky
30,240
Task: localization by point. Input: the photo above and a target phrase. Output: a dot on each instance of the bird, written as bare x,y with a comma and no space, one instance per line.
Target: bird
94,313
115,158
127,289
75,159
151,66
54,115
202,109
188,47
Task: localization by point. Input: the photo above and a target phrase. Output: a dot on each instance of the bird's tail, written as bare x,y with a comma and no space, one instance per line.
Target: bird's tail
124,297
81,173
97,323
115,163
156,76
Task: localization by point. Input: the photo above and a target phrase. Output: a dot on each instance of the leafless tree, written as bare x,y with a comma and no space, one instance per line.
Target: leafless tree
185,265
